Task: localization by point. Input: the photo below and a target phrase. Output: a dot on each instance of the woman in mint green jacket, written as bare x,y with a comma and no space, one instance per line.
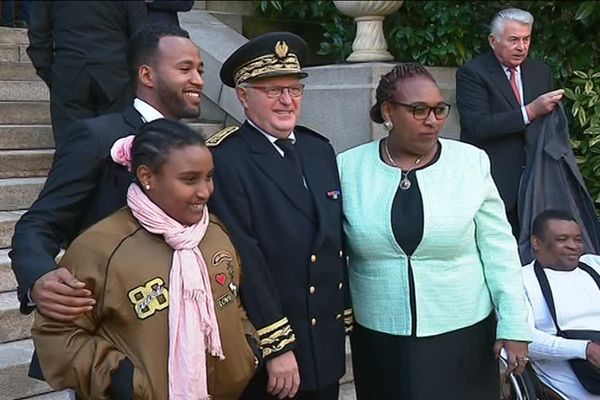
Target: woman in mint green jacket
431,255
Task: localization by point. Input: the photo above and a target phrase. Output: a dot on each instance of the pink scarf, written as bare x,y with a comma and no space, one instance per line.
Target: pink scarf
193,325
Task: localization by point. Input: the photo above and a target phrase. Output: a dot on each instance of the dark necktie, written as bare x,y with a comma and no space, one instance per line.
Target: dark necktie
514,85
290,155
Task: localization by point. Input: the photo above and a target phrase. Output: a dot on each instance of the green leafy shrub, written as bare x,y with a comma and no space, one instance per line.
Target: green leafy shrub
584,96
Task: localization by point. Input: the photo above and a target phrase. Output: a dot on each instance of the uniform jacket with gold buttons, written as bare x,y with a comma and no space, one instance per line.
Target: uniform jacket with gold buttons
127,269
290,238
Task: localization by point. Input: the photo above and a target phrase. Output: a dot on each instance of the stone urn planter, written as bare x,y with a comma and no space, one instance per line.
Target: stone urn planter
370,44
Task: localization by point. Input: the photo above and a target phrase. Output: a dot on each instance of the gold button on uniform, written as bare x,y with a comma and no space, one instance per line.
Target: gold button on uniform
311,289
313,258
313,321
341,254
340,285
338,316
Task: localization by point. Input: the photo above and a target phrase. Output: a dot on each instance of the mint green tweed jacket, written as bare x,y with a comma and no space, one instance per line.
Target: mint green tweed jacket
466,264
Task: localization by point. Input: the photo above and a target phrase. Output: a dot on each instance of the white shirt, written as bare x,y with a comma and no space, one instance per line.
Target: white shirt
148,112
272,138
520,87
577,301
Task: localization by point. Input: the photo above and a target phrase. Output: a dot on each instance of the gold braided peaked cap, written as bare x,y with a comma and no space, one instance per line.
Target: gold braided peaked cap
271,54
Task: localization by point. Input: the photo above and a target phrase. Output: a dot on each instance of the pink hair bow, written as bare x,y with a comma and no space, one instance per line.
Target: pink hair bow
120,151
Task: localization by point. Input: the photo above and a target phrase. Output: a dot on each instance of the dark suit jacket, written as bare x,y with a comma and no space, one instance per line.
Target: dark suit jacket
83,186
70,40
491,118
552,180
289,240
165,11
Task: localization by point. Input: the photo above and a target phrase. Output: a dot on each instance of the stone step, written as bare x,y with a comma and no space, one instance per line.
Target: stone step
14,52
13,35
8,281
21,137
17,71
25,90
8,219
14,326
14,364
19,193
24,113
25,163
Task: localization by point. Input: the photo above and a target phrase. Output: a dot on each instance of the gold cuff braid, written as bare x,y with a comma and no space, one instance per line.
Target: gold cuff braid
275,337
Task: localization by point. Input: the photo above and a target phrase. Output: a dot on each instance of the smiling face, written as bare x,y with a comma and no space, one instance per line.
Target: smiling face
560,246
183,184
512,45
176,77
410,135
277,117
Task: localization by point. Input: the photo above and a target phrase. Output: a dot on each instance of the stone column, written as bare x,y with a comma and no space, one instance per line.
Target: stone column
370,44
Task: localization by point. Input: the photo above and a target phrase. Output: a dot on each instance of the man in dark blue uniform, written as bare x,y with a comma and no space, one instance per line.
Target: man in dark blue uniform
278,192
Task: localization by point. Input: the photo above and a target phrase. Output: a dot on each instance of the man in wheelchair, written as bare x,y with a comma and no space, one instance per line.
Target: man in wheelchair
563,292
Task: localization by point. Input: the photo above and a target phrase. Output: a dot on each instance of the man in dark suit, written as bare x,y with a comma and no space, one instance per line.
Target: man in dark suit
278,192
84,186
79,48
165,11
498,94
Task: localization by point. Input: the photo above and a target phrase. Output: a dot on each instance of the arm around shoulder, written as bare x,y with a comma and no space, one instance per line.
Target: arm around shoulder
56,215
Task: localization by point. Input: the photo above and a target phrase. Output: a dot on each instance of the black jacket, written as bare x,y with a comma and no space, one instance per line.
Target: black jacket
552,180
491,118
83,186
290,243
72,38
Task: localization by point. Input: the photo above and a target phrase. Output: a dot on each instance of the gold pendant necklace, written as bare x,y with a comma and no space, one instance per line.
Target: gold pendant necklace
405,183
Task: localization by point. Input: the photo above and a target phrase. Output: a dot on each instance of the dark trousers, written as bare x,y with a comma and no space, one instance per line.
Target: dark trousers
256,390
87,100
459,365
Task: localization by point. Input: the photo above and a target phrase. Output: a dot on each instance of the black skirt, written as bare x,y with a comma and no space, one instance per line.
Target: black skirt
458,365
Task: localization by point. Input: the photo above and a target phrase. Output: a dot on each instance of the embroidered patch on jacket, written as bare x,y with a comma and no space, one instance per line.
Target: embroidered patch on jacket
149,298
224,300
221,256
221,279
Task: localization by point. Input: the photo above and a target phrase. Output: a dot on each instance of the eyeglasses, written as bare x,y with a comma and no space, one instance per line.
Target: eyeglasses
275,92
421,111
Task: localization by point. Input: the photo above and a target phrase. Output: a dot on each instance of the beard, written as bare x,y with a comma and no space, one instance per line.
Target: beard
173,102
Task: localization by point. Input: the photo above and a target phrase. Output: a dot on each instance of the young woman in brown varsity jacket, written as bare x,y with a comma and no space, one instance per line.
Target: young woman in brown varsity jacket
141,339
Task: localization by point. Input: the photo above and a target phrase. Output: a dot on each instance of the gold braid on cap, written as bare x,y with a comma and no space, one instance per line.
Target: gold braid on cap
281,61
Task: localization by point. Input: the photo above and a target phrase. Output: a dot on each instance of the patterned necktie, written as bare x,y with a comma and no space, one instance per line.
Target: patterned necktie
513,83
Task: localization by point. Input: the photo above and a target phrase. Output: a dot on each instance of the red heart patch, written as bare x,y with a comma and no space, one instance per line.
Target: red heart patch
221,278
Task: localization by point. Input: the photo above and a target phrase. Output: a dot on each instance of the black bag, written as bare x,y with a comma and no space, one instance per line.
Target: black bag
587,374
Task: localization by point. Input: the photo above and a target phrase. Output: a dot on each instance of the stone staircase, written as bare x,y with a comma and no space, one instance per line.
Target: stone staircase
26,152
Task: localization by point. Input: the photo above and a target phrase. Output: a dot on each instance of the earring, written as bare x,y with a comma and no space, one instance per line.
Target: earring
388,125
147,186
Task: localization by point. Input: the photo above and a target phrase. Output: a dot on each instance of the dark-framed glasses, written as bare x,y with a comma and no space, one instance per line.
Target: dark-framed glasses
275,92
421,110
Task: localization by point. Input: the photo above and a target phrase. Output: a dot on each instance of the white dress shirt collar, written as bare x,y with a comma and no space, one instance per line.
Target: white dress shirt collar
272,138
148,112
